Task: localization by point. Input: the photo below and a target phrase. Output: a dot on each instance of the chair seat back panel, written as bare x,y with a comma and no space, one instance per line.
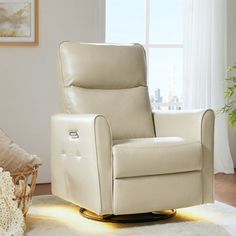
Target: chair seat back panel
109,80
127,110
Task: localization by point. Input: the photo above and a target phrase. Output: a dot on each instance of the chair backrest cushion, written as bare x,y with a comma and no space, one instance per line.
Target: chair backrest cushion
108,80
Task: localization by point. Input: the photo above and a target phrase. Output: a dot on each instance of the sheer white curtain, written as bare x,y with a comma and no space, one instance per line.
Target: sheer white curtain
205,44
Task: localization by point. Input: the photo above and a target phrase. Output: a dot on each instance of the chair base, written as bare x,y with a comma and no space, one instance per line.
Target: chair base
132,218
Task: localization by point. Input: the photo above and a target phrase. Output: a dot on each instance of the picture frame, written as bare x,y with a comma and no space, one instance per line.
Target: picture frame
19,23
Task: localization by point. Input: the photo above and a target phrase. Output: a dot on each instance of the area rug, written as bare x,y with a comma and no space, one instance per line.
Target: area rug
51,216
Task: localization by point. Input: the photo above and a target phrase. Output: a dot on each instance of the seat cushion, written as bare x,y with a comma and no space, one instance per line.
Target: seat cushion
155,156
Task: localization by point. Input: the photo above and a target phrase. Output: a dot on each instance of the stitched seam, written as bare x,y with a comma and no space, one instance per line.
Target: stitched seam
98,170
175,173
201,134
61,80
203,184
157,147
112,89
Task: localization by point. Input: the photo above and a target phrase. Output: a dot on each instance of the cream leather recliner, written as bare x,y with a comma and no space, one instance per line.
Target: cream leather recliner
109,153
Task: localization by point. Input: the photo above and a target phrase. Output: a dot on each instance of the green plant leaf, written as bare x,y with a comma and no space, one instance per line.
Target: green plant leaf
232,118
232,68
229,93
230,106
231,78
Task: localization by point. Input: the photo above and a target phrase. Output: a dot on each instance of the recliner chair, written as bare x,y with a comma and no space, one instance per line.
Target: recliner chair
109,153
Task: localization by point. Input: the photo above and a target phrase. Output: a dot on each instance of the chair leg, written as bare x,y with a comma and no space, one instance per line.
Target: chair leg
132,218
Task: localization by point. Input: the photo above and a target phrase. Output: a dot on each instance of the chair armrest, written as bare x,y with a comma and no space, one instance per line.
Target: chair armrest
197,125
186,124
81,160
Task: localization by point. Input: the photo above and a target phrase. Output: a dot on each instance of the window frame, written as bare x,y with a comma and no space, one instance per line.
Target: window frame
148,46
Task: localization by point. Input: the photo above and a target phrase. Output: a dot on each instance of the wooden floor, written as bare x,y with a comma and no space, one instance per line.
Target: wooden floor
225,189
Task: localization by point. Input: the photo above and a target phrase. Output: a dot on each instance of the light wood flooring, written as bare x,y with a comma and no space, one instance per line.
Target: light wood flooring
225,188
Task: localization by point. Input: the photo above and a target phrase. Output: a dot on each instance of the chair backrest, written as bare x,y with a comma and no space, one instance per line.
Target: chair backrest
108,80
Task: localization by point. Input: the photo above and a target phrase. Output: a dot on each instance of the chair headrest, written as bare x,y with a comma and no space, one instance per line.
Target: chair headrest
103,66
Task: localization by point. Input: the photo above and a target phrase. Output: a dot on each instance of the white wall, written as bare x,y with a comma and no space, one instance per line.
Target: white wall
29,92
231,60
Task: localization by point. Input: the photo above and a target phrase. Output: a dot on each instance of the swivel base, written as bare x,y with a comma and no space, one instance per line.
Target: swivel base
133,218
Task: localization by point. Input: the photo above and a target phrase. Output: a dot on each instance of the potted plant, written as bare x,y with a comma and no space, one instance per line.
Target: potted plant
230,95
230,108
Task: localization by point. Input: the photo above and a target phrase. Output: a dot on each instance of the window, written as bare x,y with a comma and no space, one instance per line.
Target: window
158,26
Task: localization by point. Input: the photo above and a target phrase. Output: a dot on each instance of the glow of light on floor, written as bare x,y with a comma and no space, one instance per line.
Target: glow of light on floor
200,213
70,216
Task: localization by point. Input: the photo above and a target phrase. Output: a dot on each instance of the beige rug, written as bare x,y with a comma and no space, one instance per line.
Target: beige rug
50,216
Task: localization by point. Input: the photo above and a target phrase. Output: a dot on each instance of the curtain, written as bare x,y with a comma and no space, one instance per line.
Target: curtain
205,60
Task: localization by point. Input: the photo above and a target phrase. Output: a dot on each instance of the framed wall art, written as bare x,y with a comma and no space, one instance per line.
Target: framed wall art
19,22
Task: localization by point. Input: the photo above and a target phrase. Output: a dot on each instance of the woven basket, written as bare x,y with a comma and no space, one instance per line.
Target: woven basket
24,187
